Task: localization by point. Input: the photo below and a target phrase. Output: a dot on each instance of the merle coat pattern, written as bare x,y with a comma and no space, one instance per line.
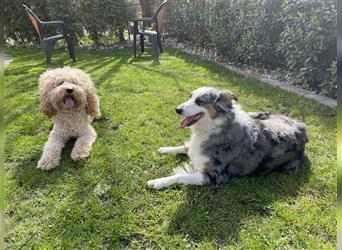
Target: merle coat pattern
227,142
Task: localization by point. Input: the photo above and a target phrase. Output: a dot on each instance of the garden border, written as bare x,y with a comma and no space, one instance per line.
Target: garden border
270,81
291,88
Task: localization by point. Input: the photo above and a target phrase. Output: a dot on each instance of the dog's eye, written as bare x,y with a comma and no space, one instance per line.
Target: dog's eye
60,83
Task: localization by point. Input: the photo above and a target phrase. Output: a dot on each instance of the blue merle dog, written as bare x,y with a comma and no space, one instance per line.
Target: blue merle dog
227,142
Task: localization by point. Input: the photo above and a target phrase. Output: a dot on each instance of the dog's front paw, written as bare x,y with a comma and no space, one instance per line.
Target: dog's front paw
47,164
79,154
157,183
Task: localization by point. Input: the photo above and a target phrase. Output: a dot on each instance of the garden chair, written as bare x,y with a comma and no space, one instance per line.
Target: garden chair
154,35
49,41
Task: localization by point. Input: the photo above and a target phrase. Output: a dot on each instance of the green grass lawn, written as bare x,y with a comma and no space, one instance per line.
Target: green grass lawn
104,202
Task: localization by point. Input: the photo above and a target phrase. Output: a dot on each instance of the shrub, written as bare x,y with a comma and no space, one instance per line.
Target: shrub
191,21
308,41
298,36
245,30
98,18
68,12
16,23
104,17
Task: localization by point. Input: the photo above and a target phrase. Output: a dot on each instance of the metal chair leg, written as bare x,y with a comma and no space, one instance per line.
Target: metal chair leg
155,47
142,43
48,50
70,48
160,44
134,45
135,32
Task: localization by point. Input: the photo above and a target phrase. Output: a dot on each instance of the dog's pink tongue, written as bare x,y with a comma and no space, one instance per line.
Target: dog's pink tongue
184,123
69,102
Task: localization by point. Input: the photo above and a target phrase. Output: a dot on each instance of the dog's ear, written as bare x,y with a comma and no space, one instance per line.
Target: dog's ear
225,100
46,106
93,103
45,82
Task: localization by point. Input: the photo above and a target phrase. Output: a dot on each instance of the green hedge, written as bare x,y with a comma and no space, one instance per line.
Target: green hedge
98,18
298,36
308,42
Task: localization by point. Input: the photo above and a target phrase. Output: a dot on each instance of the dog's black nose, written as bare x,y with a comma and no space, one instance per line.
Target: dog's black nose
69,91
179,111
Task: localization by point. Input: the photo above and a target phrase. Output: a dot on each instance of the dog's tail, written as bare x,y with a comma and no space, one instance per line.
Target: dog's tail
186,169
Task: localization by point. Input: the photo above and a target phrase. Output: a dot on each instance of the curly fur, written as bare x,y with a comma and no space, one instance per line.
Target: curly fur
70,121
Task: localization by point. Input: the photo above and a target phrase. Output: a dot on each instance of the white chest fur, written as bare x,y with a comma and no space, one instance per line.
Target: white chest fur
195,152
72,124
200,134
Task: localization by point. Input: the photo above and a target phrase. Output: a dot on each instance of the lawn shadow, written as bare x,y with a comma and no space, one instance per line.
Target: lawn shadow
27,176
108,63
146,56
176,78
218,214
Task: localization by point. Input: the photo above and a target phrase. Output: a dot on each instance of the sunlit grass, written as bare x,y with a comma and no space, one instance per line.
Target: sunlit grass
103,201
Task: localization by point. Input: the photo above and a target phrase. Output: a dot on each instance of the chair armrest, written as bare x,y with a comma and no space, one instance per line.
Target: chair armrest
145,19
57,24
53,24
